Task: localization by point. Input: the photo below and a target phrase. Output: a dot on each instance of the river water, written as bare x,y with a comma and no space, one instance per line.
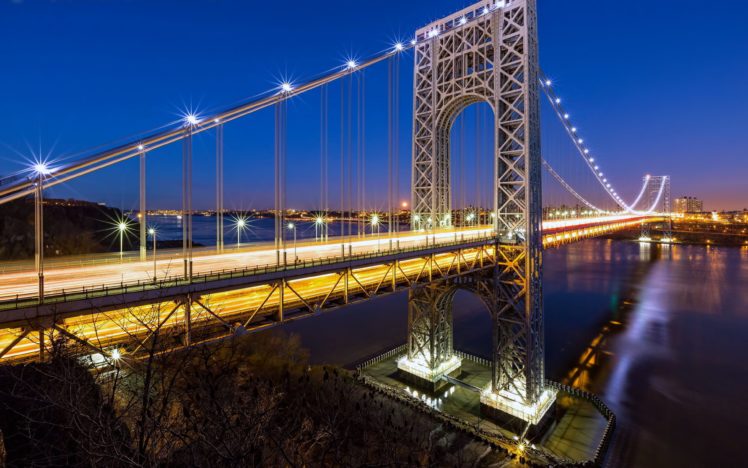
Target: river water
674,367
675,372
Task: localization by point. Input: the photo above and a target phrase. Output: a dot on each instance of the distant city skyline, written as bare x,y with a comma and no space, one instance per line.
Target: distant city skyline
86,76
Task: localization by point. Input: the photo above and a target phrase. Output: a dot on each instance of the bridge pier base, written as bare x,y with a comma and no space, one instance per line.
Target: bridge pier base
514,393
430,349
506,406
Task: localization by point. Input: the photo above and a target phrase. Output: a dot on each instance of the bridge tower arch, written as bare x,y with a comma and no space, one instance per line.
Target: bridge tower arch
486,52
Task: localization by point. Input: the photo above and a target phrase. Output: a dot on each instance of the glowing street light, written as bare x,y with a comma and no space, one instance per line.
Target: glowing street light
286,87
241,224
351,64
399,47
292,227
116,355
375,224
319,228
122,228
191,119
152,233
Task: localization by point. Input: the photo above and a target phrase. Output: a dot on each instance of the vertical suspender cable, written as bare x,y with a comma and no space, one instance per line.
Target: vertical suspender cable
39,233
324,156
219,188
349,154
187,202
283,157
276,186
390,150
358,172
280,178
362,137
396,140
463,190
478,172
342,164
142,209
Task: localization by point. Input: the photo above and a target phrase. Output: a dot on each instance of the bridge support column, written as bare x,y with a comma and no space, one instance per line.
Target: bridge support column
188,320
345,284
430,349
281,300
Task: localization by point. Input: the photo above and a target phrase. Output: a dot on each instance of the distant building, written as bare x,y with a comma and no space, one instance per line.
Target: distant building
688,205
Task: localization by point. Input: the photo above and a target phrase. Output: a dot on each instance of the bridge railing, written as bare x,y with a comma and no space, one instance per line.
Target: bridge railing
112,289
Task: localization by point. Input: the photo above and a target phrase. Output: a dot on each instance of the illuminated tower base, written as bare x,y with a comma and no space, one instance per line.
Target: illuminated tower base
431,354
418,372
497,405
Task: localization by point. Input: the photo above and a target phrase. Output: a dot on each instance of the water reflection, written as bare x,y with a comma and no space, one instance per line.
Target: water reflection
658,331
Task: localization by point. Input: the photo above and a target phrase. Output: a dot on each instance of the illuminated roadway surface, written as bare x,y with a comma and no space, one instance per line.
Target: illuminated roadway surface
22,283
252,305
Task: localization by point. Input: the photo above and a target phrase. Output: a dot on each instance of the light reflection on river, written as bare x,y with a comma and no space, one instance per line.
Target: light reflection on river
676,374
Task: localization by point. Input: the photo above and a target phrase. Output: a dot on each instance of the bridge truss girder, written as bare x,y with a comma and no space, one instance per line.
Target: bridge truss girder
192,317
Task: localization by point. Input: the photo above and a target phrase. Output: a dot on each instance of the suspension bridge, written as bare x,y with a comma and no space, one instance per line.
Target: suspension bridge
489,242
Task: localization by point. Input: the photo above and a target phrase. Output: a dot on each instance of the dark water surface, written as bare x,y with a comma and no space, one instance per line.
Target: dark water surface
675,372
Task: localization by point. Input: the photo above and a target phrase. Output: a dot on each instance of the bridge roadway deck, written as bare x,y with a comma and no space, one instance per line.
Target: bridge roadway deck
253,294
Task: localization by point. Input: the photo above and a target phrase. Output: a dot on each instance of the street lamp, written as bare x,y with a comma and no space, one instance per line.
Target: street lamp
241,223
375,224
122,228
319,228
152,233
41,170
292,227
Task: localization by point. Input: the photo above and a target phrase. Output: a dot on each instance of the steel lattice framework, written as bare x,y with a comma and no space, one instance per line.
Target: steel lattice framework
656,195
485,53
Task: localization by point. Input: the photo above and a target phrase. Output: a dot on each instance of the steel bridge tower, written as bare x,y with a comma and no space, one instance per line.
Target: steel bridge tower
657,196
487,52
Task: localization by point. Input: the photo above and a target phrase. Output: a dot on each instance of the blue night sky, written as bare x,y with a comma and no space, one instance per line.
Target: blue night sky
655,86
